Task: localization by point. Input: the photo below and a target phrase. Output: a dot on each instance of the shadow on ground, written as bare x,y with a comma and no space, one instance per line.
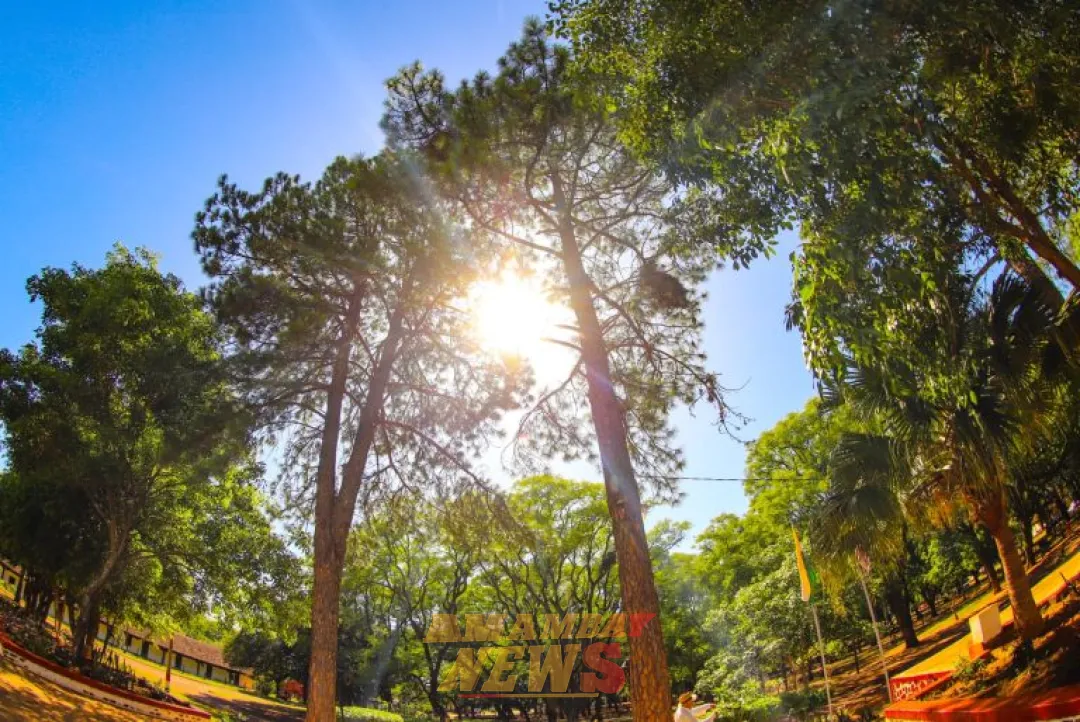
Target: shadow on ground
250,709
25,697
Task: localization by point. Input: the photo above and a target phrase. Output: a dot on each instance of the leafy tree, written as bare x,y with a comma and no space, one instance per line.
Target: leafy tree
46,527
339,299
958,112
954,409
759,626
270,658
863,512
539,168
945,563
765,629
410,558
547,549
684,604
121,405
735,550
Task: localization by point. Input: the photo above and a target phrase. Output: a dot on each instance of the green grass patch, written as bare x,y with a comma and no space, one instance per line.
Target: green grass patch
366,714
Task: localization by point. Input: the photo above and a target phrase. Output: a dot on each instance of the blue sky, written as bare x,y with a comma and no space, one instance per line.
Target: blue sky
117,117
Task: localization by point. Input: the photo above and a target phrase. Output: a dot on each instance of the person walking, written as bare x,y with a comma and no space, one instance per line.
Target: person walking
686,712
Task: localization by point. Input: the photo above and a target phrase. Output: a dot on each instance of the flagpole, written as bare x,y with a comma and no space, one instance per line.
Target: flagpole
821,648
806,592
877,635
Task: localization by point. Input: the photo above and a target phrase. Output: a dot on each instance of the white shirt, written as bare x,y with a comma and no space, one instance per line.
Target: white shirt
682,714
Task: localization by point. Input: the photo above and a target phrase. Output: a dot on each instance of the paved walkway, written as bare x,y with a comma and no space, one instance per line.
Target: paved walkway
946,659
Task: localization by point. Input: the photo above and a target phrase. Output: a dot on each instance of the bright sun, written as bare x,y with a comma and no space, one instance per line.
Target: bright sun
512,317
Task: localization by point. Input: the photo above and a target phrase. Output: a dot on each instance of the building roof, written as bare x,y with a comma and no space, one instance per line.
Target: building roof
202,651
191,648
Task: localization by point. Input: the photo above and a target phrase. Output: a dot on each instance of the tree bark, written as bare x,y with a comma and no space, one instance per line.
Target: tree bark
334,508
20,587
999,200
897,602
321,687
90,598
325,601
985,556
650,686
931,601
991,511
992,576
1027,525
1028,618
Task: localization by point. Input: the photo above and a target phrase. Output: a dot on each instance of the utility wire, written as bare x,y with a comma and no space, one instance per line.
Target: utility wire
737,478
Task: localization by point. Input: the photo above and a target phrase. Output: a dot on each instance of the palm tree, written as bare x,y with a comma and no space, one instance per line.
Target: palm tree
862,511
953,411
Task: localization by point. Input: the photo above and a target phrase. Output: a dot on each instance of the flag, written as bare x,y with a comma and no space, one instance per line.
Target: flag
804,574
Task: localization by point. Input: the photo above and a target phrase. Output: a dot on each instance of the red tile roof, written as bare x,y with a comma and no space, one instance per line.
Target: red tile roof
191,648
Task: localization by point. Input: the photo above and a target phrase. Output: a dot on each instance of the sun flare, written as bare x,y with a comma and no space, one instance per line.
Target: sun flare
512,317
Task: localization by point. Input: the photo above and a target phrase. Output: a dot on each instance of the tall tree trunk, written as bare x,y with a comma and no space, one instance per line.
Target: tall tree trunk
931,601
650,686
321,687
897,602
20,586
334,508
325,603
90,598
92,632
991,510
985,555
992,575
1027,526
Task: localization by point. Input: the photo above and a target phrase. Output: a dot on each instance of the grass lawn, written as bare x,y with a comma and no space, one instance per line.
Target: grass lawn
25,697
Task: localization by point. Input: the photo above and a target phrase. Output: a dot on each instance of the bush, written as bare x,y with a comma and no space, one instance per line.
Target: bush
966,670
802,705
366,714
27,633
762,709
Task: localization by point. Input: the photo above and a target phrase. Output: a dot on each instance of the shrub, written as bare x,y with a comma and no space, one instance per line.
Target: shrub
366,714
803,704
967,670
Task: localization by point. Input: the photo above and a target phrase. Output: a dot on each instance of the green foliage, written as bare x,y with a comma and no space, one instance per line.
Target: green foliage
365,714
902,137
968,669
684,604
124,437
365,262
749,704
528,149
803,704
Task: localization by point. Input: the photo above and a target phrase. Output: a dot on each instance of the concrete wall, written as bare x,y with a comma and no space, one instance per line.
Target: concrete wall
155,653
189,665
